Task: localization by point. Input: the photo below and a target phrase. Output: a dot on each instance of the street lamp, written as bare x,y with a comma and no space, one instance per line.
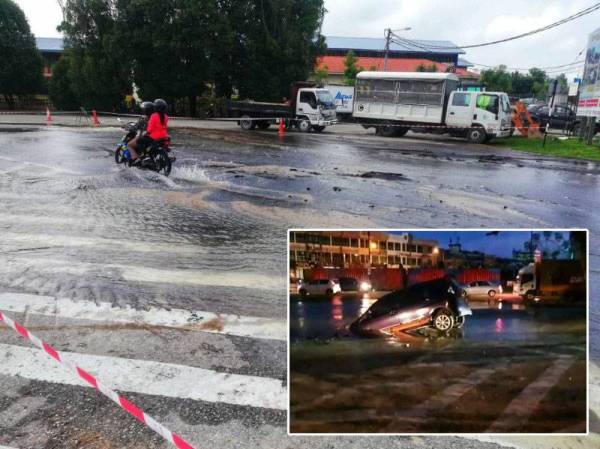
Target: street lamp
388,38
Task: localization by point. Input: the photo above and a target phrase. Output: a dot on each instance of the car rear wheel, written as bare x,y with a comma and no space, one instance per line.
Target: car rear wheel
491,293
443,321
329,292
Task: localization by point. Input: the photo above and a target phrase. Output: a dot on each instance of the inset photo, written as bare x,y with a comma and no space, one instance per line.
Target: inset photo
438,331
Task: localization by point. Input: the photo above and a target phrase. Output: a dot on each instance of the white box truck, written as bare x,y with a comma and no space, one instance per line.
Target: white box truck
343,97
395,102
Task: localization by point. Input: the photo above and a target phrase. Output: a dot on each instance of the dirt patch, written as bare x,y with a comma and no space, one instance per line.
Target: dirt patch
384,175
193,201
216,324
88,440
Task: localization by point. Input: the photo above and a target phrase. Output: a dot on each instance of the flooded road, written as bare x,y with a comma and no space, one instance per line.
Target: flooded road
470,380
211,238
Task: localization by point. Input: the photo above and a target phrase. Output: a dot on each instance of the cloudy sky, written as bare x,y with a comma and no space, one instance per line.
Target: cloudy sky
461,21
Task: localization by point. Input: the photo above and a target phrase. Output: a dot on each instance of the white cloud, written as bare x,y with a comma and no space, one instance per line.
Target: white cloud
466,22
43,16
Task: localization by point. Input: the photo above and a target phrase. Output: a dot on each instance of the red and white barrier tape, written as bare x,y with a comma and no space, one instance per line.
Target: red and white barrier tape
129,407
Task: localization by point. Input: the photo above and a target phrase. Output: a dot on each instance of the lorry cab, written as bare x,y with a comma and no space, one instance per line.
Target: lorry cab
480,111
315,108
525,285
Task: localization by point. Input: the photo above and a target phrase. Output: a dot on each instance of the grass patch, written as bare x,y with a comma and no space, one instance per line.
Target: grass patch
570,148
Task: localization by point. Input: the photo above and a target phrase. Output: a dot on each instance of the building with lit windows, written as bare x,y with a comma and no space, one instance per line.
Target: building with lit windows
361,249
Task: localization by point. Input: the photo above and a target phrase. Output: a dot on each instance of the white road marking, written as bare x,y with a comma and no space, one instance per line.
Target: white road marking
441,400
520,408
146,377
230,278
242,326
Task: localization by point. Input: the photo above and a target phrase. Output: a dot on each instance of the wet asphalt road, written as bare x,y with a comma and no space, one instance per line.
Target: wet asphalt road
212,237
471,379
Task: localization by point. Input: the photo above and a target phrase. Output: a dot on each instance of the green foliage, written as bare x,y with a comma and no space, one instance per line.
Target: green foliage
98,68
534,83
60,89
426,68
351,69
174,48
21,67
321,74
569,148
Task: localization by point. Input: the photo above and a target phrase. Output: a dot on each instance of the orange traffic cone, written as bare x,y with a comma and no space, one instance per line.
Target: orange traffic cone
95,120
281,131
48,116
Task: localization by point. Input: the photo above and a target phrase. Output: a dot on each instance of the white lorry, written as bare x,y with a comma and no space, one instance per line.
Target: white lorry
343,97
395,102
308,109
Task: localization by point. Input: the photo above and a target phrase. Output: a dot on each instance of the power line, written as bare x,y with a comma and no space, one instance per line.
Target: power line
577,15
402,41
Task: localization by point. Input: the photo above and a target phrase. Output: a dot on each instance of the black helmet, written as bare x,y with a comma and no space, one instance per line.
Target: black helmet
147,108
160,105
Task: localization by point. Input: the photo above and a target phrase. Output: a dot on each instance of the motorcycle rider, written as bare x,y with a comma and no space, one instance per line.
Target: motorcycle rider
156,128
147,108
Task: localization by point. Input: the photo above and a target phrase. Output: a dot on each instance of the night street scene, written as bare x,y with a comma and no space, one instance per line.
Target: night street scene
438,331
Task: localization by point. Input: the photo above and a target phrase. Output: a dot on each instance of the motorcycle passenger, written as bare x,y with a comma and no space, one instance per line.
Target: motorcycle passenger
147,108
157,126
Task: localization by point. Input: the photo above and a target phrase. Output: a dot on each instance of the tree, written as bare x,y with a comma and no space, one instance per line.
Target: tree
21,68
426,68
497,79
351,69
100,67
167,44
321,74
60,88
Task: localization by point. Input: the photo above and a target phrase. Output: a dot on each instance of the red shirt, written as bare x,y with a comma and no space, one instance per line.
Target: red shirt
156,130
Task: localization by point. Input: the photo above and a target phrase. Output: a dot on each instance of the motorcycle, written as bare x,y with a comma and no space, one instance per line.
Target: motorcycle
158,157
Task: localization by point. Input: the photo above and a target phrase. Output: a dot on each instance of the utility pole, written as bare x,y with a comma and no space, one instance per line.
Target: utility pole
389,33
388,38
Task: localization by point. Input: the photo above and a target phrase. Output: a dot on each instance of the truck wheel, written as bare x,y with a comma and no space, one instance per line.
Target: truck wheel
386,130
318,129
304,125
401,132
246,123
476,135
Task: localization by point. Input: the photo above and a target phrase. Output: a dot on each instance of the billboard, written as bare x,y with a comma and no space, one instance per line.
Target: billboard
589,93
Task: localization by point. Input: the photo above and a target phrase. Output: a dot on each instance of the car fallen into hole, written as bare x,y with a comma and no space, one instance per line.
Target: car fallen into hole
438,304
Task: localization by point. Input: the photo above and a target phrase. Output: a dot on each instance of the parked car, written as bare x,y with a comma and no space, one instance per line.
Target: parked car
439,304
353,285
562,117
534,107
482,289
326,287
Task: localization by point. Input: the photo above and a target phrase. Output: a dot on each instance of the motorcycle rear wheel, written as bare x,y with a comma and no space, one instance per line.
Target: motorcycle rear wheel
161,160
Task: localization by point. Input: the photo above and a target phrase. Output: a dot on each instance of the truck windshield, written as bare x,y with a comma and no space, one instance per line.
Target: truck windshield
325,99
488,102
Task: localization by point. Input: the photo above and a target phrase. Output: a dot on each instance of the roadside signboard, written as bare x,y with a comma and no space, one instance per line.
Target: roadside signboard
589,92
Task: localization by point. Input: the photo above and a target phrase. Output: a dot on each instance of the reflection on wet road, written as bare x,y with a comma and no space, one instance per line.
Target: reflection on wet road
510,369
